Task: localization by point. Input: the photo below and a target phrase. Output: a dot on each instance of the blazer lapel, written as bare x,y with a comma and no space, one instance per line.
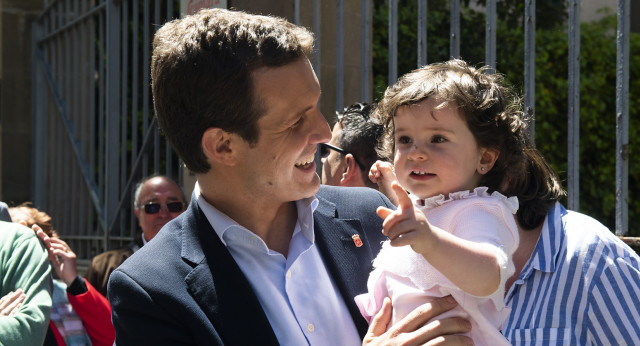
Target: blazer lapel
219,287
347,262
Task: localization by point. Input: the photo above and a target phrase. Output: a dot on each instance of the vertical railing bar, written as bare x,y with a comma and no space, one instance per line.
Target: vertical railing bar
422,33
454,42
101,112
124,116
296,12
340,55
113,110
145,79
75,115
39,123
365,52
490,32
52,55
92,116
573,167
135,92
59,135
317,34
169,10
156,136
530,66
85,249
393,41
67,96
622,117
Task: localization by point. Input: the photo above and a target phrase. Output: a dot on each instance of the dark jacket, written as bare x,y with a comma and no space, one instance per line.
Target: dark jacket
184,288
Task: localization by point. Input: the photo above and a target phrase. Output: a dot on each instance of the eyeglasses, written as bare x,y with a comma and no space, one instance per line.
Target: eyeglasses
154,208
323,148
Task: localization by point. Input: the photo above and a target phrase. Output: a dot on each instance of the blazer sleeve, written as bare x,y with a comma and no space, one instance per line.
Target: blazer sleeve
94,310
139,320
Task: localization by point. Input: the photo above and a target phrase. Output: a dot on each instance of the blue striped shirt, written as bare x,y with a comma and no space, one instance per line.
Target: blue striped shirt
581,286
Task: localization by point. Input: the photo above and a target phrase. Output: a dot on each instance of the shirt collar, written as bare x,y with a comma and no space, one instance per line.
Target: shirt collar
545,255
221,223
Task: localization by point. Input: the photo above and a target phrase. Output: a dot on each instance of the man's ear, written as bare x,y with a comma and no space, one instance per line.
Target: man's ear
219,146
352,176
488,157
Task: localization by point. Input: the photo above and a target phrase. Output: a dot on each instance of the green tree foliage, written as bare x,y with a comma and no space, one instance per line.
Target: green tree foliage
597,85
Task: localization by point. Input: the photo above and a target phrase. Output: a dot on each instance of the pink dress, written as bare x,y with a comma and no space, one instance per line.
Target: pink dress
410,281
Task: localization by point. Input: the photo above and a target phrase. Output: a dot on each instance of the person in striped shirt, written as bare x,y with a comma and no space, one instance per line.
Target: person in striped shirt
576,283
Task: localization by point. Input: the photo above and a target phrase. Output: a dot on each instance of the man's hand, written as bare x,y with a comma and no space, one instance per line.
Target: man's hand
60,256
11,303
418,328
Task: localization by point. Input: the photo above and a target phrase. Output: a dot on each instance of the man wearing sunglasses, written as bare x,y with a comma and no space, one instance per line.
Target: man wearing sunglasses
347,158
158,200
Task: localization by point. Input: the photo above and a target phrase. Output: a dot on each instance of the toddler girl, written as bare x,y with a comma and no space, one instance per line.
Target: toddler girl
456,137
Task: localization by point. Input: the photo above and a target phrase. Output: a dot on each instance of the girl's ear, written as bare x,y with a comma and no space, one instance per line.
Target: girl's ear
488,157
219,146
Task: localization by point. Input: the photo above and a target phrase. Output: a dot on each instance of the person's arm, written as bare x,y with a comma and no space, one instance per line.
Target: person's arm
470,266
612,314
25,265
94,310
420,327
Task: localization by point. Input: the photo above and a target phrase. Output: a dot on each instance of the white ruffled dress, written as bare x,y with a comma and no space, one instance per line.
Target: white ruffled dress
410,281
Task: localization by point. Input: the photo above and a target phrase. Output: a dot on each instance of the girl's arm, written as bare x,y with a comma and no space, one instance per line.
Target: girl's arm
471,266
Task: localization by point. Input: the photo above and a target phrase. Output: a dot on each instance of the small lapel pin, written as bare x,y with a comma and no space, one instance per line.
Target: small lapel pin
357,240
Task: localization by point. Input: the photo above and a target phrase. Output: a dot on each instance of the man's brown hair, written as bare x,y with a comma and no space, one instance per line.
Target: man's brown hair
201,72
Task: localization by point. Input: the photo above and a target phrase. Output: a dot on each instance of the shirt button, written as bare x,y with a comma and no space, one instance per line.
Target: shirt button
288,274
310,327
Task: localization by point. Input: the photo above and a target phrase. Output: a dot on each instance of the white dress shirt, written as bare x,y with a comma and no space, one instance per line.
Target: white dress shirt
297,293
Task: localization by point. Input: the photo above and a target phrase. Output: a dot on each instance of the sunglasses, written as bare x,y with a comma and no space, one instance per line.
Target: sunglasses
323,149
154,208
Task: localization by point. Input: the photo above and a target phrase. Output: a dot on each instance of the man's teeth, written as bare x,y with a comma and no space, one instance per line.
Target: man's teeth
305,163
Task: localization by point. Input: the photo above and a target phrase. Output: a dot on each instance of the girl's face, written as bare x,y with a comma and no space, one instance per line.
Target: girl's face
435,152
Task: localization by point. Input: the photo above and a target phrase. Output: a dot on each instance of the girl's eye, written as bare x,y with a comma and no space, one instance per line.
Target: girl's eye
438,139
404,140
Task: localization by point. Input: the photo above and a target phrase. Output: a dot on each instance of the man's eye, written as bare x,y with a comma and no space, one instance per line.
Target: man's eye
297,123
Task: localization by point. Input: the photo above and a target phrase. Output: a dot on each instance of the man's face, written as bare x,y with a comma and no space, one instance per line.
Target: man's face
333,165
157,190
280,167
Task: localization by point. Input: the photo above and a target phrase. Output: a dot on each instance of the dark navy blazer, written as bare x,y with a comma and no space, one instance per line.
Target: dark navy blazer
184,288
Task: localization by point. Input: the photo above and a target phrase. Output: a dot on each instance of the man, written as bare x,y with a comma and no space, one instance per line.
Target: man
263,255
25,286
4,212
349,155
157,200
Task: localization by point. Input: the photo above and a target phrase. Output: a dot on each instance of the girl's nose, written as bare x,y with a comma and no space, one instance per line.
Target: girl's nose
417,153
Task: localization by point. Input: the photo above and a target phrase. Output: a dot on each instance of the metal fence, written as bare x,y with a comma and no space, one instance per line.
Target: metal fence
95,133
94,129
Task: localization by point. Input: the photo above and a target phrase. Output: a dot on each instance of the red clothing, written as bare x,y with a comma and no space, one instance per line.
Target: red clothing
95,311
